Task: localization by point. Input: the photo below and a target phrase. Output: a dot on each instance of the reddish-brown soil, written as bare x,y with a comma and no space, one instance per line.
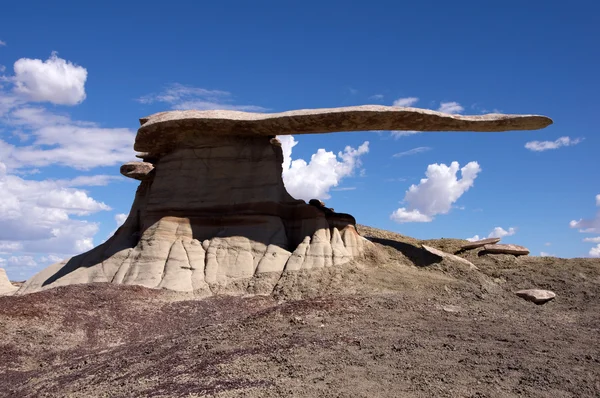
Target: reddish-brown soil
405,325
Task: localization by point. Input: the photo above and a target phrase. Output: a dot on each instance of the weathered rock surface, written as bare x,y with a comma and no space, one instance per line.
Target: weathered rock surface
6,288
211,214
451,257
165,130
212,219
537,296
137,170
506,249
480,243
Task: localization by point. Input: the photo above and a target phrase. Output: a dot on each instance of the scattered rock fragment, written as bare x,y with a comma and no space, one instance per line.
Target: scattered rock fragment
137,170
451,308
537,296
506,249
449,256
479,243
6,288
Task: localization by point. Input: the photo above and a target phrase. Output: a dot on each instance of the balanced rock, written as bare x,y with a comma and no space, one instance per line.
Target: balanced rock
211,214
479,243
506,249
6,288
452,257
537,296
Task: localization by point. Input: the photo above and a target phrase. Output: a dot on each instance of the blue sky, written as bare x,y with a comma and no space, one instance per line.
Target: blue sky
67,120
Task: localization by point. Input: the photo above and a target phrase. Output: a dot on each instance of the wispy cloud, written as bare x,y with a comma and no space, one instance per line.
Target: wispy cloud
2,43
376,97
592,240
182,97
540,146
413,151
408,101
344,189
399,133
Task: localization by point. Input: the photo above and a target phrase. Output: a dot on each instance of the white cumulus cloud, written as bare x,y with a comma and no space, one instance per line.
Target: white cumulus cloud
588,225
35,216
324,171
120,219
435,194
408,101
540,146
50,139
497,232
450,107
54,80
500,232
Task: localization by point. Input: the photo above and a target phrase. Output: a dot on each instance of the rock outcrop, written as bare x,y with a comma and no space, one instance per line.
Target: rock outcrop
506,249
211,214
6,288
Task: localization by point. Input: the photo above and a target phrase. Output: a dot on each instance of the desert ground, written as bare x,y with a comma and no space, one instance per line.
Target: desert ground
402,323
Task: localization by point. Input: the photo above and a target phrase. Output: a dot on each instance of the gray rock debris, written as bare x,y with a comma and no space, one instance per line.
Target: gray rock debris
537,296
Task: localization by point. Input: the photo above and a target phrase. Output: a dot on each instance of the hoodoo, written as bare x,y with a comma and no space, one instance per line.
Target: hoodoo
211,214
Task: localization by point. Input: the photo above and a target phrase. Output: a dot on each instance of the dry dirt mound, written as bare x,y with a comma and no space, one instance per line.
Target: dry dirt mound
386,329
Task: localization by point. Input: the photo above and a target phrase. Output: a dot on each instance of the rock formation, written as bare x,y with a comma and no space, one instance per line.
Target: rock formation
6,288
211,213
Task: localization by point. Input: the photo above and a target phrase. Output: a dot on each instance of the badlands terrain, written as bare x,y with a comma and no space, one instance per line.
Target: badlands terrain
402,323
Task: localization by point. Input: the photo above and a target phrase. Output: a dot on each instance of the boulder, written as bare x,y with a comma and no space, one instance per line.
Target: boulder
6,288
211,214
137,170
537,296
506,249
451,257
479,243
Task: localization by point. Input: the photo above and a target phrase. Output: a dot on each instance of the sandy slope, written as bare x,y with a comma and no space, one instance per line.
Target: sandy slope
389,329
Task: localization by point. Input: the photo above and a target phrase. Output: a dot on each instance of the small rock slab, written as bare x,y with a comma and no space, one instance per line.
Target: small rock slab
537,296
449,256
137,170
506,249
480,243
